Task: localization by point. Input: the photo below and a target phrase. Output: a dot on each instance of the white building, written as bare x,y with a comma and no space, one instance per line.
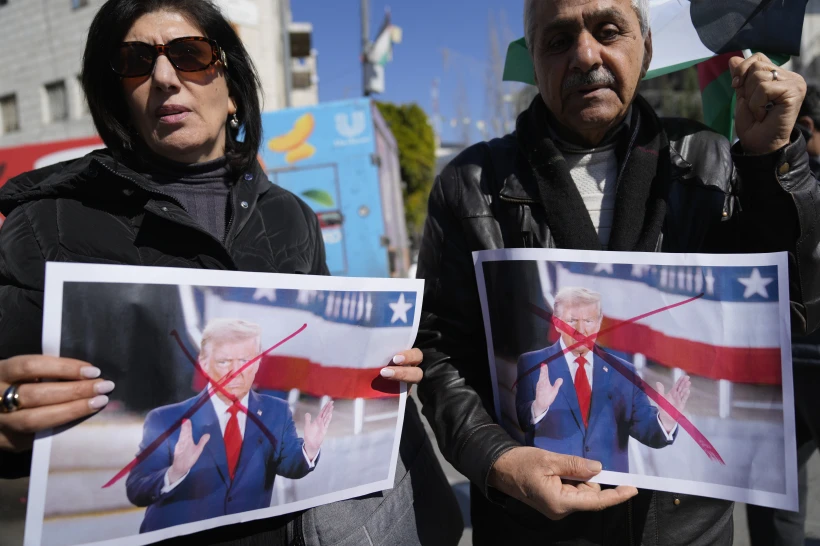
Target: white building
42,43
808,64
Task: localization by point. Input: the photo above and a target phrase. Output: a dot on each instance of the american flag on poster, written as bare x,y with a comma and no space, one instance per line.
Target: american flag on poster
350,336
731,333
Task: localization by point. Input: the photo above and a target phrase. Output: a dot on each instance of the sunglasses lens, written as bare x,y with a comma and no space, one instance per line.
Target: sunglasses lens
190,56
133,60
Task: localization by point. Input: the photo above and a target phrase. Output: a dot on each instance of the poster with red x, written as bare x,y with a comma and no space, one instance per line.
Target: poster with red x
238,396
673,371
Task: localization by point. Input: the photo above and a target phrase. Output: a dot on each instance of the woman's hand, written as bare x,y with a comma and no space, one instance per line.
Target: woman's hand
405,367
42,406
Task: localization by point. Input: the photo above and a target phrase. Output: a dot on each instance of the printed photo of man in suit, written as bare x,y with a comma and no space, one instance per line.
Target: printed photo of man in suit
578,405
220,462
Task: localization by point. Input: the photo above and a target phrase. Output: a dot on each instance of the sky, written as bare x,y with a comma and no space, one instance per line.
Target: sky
441,40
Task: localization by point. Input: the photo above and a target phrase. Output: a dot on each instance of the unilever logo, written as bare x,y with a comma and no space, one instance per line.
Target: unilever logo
351,126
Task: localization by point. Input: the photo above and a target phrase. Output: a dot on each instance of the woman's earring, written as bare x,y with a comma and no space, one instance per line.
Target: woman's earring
234,122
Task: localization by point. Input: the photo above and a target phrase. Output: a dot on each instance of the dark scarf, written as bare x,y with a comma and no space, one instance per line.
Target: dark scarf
640,192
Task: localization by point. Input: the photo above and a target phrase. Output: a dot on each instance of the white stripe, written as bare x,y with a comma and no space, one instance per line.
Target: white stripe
725,324
674,38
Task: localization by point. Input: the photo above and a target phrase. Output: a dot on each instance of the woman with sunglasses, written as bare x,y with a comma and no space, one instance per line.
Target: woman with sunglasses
170,87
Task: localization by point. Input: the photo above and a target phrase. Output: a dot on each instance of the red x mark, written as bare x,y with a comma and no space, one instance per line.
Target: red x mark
631,376
204,397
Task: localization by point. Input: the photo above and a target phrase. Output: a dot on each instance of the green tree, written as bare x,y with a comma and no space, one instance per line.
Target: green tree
417,159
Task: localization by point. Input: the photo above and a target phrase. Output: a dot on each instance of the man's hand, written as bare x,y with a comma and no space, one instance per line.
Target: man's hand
315,431
186,452
759,129
677,397
534,476
545,392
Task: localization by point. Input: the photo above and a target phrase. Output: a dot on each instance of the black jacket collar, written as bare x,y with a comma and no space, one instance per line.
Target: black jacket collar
99,173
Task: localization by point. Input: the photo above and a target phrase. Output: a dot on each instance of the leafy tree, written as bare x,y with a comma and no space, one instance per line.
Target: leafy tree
417,159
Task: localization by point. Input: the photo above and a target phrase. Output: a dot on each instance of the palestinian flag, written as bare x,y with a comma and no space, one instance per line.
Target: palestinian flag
717,94
687,33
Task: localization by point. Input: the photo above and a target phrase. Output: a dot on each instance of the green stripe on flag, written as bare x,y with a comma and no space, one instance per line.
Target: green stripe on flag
518,65
719,105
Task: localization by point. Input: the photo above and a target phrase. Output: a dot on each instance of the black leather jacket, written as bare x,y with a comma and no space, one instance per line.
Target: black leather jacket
720,202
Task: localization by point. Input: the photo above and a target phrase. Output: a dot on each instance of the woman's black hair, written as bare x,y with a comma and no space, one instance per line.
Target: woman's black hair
103,88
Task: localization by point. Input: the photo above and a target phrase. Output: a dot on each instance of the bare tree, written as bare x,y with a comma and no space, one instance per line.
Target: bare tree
463,110
500,101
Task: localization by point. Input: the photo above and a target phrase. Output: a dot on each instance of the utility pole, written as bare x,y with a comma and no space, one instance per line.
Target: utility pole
365,43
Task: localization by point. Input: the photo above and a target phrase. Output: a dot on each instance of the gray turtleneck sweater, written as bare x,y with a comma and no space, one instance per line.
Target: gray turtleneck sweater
202,189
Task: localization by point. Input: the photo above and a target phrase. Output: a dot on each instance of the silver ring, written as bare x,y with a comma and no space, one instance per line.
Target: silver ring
774,75
11,399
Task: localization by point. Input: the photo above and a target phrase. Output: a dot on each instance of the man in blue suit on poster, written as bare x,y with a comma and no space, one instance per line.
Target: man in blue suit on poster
232,466
597,409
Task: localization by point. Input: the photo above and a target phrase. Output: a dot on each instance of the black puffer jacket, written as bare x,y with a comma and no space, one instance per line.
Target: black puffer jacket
719,201
97,210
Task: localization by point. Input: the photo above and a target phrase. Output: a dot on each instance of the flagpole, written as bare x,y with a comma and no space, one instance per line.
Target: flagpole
365,43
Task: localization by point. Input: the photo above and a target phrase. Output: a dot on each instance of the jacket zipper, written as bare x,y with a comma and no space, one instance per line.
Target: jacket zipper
230,218
517,200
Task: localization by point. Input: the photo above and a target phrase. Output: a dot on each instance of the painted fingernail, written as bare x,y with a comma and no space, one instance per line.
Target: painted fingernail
735,81
387,372
398,359
90,372
104,387
98,402
594,466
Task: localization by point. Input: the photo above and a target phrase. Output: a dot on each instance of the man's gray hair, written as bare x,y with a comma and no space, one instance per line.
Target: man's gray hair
574,295
229,329
641,8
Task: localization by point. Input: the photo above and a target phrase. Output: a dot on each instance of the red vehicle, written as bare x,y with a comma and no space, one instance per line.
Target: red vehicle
19,159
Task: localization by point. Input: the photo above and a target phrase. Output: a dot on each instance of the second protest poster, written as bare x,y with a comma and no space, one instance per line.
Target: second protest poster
673,371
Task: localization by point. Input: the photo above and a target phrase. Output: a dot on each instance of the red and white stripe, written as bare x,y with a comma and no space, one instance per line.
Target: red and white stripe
712,339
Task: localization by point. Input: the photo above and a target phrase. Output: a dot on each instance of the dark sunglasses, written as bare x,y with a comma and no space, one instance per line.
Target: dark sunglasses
188,54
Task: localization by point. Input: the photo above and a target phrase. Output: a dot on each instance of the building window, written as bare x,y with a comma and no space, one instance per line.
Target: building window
9,120
77,4
301,80
8,114
57,101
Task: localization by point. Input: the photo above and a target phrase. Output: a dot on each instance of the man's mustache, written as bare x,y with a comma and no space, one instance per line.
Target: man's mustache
599,76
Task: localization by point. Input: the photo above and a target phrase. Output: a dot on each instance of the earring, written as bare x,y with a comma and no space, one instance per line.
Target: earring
234,122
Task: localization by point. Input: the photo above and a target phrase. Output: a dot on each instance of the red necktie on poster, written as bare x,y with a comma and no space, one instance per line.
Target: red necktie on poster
233,440
582,388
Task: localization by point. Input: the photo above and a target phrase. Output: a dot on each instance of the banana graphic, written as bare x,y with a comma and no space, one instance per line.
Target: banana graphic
303,151
291,140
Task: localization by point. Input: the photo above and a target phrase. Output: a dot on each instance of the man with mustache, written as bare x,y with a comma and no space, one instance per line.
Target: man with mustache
221,461
591,166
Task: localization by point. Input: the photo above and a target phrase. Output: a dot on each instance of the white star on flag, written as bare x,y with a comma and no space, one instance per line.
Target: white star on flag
604,267
265,293
755,284
710,282
400,309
